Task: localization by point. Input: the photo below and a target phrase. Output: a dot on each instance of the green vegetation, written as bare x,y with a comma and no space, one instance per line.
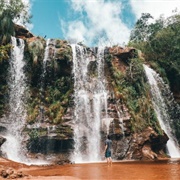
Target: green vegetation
4,52
50,89
49,104
64,51
4,56
36,49
160,43
50,93
131,87
9,12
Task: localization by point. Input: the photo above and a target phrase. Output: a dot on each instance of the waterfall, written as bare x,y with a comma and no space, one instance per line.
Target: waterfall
90,99
43,75
14,147
15,119
162,110
46,56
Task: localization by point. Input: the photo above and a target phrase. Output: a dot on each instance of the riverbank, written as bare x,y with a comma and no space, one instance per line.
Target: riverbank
125,170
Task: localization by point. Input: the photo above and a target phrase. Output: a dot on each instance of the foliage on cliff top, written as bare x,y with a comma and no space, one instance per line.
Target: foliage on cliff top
10,11
14,9
159,41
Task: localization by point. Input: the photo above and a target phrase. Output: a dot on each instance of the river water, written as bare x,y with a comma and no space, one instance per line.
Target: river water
124,170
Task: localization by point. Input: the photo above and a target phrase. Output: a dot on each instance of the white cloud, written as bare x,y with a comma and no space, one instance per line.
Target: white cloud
154,7
98,21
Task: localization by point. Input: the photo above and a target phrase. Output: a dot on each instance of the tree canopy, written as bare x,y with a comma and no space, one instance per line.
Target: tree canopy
160,43
13,9
9,11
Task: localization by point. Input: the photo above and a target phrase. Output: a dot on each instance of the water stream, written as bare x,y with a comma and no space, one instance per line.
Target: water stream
162,110
15,147
90,98
15,119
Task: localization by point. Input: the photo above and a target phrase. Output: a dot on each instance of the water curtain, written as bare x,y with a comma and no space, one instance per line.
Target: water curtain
17,102
162,110
90,99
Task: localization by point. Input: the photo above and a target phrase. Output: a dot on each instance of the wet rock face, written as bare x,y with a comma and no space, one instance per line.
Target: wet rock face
48,145
177,95
49,139
122,53
144,145
120,148
147,145
2,131
2,140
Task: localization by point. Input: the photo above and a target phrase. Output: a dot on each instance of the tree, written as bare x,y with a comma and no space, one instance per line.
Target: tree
159,42
14,9
141,30
161,49
10,11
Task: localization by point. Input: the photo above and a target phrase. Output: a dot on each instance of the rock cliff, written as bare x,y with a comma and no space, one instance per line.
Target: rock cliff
135,132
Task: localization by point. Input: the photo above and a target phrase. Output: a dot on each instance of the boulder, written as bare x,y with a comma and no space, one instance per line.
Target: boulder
147,145
10,173
122,53
147,152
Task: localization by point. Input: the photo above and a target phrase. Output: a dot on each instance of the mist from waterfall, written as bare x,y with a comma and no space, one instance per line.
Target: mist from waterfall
15,119
90,104
162,110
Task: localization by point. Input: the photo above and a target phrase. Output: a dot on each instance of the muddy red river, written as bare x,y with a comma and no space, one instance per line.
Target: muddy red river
124,170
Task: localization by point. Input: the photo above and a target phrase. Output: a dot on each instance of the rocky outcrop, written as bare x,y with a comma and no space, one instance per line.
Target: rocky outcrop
147,145
122,53
50,115
10,173
21,32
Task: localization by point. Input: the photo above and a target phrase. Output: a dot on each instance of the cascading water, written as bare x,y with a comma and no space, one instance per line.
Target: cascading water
161,110
46,58
14,147
17,98
90,98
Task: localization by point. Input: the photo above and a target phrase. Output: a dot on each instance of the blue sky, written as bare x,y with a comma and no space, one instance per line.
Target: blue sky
46,14
52,18
93,21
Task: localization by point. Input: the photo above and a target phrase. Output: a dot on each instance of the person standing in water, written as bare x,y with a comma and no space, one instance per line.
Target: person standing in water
108,145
